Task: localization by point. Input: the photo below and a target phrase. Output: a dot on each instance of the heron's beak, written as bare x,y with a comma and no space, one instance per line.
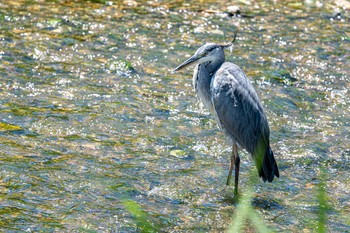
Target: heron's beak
191,61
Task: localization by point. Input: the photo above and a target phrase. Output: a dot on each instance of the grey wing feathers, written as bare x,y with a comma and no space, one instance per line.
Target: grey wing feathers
242,117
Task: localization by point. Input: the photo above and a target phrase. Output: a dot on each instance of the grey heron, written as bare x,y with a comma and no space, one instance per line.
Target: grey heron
227,93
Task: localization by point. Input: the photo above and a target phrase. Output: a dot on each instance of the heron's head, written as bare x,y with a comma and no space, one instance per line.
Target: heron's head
208,53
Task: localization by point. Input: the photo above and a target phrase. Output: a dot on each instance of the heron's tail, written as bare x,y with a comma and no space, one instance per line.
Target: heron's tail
268,169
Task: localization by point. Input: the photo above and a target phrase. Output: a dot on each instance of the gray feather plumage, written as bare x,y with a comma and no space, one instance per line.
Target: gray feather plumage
242,118
238,107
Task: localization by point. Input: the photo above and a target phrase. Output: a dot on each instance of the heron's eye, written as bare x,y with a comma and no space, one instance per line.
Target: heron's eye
205,54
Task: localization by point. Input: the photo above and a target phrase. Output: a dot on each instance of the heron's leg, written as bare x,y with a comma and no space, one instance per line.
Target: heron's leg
233,158
237,162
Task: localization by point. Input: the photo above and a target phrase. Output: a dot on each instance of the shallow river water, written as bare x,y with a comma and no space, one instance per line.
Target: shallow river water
94,125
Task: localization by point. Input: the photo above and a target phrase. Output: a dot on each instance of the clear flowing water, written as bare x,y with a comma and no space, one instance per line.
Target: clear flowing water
91,117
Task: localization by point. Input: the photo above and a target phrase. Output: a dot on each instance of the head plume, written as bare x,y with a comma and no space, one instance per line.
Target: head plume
231,43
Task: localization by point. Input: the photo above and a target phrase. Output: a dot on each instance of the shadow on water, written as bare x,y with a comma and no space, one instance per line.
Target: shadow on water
266,204
97,135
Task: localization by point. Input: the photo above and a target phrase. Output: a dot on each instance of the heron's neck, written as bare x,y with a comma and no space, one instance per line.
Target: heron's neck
201,81
202,78
213,66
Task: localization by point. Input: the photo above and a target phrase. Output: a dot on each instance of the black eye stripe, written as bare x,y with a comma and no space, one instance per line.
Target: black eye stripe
207,48
211,48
